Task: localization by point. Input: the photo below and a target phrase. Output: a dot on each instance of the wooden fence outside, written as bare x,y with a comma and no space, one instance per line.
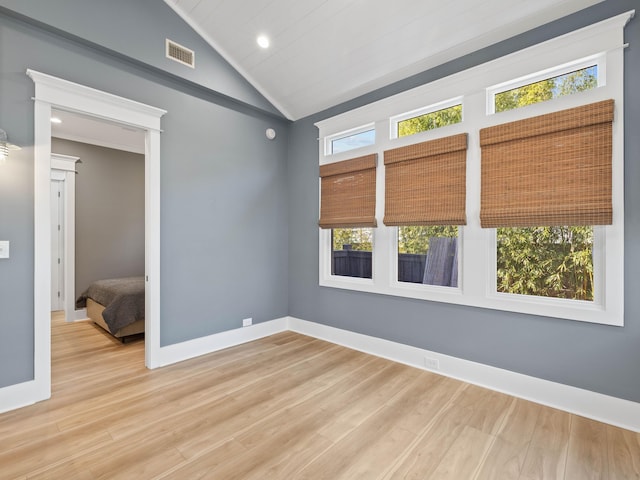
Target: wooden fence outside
355,263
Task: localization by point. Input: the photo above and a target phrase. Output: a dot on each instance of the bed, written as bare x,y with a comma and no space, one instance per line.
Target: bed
116,304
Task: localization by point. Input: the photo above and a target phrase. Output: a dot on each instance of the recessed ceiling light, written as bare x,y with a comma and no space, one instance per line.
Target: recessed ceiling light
55,120
263,41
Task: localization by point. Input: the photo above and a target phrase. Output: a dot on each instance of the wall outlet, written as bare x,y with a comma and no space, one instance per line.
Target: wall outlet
432,363
4,249
246,322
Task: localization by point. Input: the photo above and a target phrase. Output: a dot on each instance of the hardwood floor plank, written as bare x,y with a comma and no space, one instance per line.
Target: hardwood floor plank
587,454
623,448
520,422
489,407
204,466
464,455
506,456
503,461
547,454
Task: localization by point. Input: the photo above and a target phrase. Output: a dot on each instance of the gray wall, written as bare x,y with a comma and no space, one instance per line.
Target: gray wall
595,357
223,194
109,212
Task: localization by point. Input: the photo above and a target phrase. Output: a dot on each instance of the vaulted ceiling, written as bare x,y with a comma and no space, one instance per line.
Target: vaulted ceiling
324,52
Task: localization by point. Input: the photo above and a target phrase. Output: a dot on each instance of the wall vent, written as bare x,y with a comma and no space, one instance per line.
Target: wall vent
180,54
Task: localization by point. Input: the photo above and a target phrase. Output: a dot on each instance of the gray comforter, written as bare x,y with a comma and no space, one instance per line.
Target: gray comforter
123,299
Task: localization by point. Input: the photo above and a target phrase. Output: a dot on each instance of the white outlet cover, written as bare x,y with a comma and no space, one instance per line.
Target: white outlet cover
432,363
4,249
246,322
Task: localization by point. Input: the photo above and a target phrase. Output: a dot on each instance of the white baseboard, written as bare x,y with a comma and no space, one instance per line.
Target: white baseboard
603,408
18,396
212,343
80,315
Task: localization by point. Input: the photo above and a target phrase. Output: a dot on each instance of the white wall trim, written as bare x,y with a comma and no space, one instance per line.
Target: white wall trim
603,408
18,396
80,98
218,341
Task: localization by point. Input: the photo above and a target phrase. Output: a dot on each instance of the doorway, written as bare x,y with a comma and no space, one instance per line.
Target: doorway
52,92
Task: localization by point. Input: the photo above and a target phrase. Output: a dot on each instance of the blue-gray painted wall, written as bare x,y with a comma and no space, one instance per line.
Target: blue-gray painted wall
594,357
223,193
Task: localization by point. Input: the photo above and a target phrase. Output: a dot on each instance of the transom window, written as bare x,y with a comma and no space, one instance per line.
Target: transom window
351,140
430,121
441,114
568,79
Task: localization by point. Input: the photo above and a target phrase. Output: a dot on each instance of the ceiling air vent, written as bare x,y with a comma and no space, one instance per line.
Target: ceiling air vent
180,54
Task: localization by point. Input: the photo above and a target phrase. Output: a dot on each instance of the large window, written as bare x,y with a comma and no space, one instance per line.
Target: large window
506,192
547,261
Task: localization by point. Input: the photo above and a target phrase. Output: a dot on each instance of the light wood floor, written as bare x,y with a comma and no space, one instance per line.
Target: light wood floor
289,407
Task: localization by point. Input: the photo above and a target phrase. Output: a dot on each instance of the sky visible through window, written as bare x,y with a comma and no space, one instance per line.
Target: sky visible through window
354,141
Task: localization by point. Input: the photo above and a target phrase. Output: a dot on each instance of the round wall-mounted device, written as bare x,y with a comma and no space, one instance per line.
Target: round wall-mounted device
270,133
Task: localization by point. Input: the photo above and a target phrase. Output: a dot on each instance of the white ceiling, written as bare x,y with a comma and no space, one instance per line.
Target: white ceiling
95,131
324,52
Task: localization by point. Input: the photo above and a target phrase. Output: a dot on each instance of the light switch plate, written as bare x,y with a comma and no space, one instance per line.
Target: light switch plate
4,248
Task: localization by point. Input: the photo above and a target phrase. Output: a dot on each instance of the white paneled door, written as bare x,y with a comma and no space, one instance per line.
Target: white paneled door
57,244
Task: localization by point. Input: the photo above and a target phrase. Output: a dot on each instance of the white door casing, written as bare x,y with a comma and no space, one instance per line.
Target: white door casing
52,92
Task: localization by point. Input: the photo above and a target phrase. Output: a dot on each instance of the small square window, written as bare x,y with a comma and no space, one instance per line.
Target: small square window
428,255
351,250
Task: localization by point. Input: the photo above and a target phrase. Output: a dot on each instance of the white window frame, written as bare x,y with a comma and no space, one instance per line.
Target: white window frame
602,44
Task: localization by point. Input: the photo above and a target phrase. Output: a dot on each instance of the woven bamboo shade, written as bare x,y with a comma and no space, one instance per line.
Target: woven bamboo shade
348,193
553,169
426,183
